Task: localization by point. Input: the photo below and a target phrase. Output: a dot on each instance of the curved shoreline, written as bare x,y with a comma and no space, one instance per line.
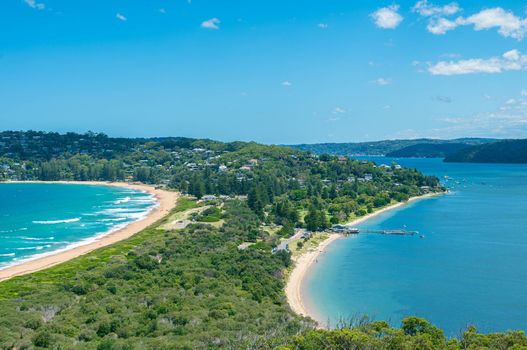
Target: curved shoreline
303,263
166,201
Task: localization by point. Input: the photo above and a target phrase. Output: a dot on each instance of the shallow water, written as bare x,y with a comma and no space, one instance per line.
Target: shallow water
39,219
470,268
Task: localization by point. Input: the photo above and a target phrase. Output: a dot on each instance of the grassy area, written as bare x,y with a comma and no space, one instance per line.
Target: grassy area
211,214
312,243
184,289
18,286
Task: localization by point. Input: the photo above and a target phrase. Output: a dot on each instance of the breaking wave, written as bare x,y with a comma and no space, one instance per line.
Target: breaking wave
122,200
54,222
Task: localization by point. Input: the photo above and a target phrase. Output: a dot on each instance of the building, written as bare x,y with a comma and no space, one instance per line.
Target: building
425,189
345,229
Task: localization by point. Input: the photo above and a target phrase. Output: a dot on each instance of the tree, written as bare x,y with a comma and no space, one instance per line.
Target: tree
254,201
197,187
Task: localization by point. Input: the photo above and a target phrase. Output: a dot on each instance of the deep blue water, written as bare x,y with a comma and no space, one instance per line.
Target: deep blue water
37,219
471,267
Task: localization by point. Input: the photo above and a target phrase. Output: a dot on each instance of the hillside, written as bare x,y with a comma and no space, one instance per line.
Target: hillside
428,150
218,282
189,288
385,147
508,151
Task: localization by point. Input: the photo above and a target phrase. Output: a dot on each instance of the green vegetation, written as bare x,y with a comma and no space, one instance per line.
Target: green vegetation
218,282
186,289
386,147
280,183
212,214
429,150
508,151
415,333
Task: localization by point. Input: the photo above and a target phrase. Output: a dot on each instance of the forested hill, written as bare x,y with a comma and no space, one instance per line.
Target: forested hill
388,146
428,150
508,151
288,179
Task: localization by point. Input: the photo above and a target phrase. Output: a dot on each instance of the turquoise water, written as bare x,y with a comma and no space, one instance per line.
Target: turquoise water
39,219
470,268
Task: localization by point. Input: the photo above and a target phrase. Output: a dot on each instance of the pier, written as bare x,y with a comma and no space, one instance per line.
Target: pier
391,232
347,230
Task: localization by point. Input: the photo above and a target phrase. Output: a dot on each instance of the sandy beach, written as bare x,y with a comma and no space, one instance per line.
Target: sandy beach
304,262
166,201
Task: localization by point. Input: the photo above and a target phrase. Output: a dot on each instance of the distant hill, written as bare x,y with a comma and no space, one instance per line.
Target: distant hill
508,151
388,146
429,150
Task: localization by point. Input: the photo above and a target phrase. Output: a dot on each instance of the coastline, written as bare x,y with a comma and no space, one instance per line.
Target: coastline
165,202
303,263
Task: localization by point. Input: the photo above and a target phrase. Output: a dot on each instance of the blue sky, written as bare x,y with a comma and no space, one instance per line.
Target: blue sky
273,71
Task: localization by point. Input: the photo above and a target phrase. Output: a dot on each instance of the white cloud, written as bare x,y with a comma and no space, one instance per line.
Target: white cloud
381,81
440,26
120,17
387,17
426,9
507,24
338,110
162,11
287,83
211,23
524,93
323,25
36,5
509,120
513,55
510,61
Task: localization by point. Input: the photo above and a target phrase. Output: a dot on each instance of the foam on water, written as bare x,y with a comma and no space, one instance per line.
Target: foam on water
54,222
63,217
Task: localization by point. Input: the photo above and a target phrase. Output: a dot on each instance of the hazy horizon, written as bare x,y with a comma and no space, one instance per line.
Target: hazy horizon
249,140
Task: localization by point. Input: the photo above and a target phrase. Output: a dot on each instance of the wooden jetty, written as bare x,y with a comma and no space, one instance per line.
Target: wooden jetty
348,230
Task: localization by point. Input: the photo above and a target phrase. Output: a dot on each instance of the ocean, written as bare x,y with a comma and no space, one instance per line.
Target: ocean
41,219
468,268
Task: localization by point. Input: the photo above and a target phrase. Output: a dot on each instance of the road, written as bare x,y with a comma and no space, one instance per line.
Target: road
298,234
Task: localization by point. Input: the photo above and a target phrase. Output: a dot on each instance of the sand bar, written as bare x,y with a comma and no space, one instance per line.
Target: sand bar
304,262
166,201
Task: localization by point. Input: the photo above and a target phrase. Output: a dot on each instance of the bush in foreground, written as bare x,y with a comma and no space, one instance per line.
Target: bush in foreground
415,333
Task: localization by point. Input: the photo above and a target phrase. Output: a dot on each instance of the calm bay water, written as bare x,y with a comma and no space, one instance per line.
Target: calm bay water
37,219
470,268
